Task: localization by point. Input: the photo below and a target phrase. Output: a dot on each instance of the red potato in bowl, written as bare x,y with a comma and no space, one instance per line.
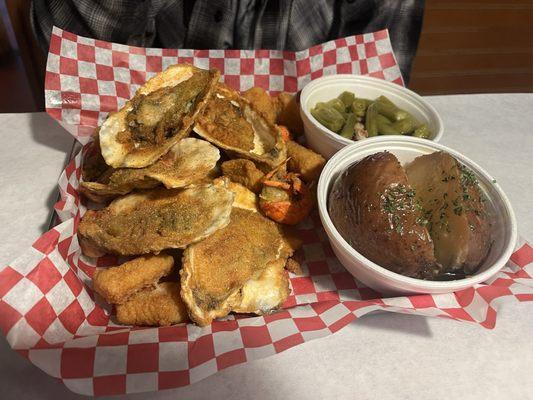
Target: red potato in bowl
454,208
425,221
374,210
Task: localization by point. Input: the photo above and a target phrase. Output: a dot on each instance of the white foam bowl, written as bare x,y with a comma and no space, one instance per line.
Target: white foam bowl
504,229
327,142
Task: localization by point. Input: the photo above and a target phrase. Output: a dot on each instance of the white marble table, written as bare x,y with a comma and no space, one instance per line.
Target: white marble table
384,356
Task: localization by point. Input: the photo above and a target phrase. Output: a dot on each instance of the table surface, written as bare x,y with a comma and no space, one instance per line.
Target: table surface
383,356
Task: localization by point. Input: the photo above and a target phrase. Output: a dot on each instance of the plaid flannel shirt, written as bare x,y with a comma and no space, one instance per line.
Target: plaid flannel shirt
233,24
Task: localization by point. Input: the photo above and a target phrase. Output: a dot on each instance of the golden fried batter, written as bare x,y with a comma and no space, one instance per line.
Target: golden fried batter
161,306
267,106
118,284
265,293
304,161
244,172
94,166
188,161
293,266
160,114
215,269
289,113
232,124
155,220
225,122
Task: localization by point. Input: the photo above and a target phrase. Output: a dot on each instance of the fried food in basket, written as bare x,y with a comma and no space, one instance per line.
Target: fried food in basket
267,106
159,306
289,113
231,123
188,161
118,284
244,172
304,161
266,292
176,194
216,269
160,114
155,220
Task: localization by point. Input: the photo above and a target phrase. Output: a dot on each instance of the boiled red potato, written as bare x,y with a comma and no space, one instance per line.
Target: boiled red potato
374,209
454,208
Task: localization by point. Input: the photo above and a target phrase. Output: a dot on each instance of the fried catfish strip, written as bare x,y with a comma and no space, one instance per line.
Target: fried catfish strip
161,306
161,113
216,269
244,172
117,284
304,161
155,220
188,161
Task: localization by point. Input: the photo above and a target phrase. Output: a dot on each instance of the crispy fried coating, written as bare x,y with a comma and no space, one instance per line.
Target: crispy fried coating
244,172
216,269
188,161
161,306
224,121
293,266
160,114
304,161
231,123
155,220
263,103
94,166
265,293
118,284
289,113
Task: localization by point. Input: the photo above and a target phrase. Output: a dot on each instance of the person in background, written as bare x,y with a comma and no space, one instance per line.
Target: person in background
233,24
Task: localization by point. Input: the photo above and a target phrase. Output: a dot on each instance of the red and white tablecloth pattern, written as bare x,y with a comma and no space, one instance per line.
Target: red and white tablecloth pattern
49,313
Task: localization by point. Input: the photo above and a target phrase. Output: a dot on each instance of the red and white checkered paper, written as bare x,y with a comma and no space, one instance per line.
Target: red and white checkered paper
47,307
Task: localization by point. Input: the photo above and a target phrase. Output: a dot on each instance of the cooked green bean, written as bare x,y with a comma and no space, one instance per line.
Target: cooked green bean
337,104
390,111
329,117
384,126
347,98
348,129
385,99
359,106
371,125
422,132
380,116
406,125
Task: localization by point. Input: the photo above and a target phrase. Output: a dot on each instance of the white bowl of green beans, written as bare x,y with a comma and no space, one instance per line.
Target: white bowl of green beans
338,110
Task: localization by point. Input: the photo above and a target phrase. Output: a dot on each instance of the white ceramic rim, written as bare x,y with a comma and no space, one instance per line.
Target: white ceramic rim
375,81
351,152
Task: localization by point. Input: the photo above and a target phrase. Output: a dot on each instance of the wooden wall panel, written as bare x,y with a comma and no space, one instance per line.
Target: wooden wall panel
473,47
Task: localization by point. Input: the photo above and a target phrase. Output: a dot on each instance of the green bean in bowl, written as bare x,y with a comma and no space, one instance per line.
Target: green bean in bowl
357,118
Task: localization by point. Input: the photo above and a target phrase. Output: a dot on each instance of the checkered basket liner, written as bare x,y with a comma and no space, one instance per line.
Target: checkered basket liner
48,311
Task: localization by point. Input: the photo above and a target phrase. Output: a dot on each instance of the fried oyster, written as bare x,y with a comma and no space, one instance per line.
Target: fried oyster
157,219
231,123
188,161
238,268
160,114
